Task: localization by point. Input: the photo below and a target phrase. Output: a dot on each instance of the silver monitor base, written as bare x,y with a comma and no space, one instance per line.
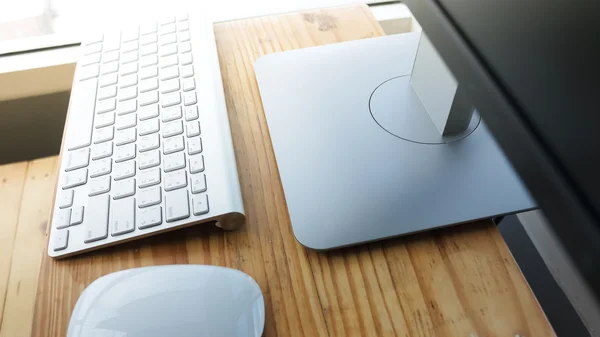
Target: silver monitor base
358,156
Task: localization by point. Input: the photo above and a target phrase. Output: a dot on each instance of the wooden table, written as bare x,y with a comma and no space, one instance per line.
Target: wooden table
459,281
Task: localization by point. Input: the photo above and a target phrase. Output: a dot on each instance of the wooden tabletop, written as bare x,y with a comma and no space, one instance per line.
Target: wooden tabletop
459,281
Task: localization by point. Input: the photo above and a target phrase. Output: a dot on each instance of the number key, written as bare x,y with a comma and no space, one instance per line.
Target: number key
124,170
191,113
172,129
149,142
193,129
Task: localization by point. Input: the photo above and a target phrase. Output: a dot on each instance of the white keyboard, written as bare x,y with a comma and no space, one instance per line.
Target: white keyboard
147,146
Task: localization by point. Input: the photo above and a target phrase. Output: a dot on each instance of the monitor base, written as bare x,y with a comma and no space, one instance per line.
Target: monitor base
395,106
358,164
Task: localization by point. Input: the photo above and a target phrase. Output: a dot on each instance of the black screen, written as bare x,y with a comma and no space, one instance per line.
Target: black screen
532,69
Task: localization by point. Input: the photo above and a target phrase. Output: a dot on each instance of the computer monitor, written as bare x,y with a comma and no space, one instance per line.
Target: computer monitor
532,69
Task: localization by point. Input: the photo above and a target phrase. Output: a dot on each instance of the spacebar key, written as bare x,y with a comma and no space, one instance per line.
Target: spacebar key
81,114
96,219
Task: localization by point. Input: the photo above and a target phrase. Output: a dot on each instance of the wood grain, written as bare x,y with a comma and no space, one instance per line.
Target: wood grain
12,180
28,248
453,282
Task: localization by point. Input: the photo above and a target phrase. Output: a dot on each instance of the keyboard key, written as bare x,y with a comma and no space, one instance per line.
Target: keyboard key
92,48
169,73
149,159
194,145
124,152
90,59
125,136
169,86
149,84
172,129
185,59
166,20
189,84
182,17
65,199
62,218
191,112
187,71
129,46
75,178
122,218
77,159
196,163
103,135
167,29
149,197
61,240
198,183
100,168
123,188
89,72
128,81
148,98
98,186
148,39
148,126
106,106
173,162
189,98
129,68
112,41
148,178
147,112
129,34
81,115
185,47
171,113
192,128
149,60
127,94
107,92
183,26
177,205
131,56
124,170
149,142
148,50
168,61
108,68
167,50
105,119
184,36
149,217
96,220
168,100
109,79
200,204
126,121
148,72
167,39
93,38
172,145
102,150
77,216
127,106
110,57
147,28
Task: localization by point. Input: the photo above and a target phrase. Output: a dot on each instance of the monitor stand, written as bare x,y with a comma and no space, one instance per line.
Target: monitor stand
374,141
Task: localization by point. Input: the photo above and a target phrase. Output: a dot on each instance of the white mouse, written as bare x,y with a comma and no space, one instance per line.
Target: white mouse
175,300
